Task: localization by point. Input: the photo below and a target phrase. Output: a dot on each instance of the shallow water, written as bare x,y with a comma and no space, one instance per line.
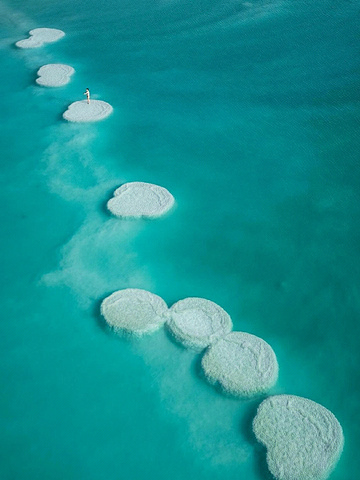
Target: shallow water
248,113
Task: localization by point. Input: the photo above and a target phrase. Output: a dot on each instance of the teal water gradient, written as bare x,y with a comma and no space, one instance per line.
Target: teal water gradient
249,114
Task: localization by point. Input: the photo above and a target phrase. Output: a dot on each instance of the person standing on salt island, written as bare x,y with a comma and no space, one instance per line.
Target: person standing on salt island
87,93
86,111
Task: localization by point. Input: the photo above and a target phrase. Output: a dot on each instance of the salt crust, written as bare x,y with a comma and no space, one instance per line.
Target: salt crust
134,311
197,322
139,199
54,75
241,363
39,36
304,440
82,111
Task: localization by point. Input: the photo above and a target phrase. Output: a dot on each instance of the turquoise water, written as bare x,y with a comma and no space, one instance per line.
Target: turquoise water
249,114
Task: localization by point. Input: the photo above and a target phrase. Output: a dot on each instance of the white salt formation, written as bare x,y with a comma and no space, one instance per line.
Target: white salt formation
139,199
39,36
303,439
242,364
54,75
134,311
196,322
82,111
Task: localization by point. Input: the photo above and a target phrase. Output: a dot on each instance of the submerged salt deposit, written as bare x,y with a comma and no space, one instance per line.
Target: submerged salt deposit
54,75
303,439
139,199
134,311
197,322
82,111
241,363
39,36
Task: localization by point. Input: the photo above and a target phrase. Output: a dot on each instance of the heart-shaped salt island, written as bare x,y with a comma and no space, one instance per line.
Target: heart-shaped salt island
82,111
197,322
242,364
39,36
140,199
134,311
54,75
303,439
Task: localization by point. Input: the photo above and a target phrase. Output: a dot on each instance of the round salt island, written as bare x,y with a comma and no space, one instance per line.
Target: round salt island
303,439
39,36
197,322
134,311
54,75
139,199
241,363
82,111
